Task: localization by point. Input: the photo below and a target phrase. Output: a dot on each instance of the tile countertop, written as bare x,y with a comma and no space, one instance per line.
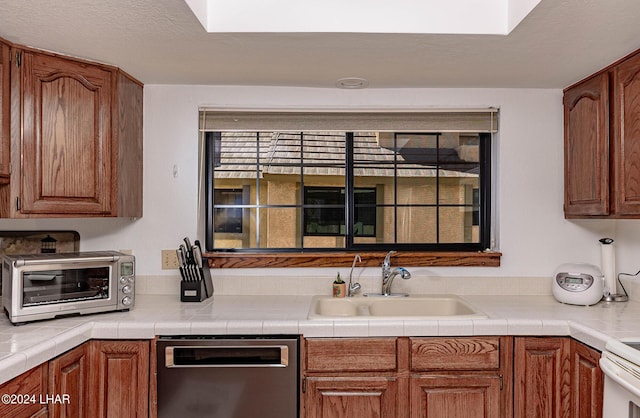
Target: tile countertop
26,346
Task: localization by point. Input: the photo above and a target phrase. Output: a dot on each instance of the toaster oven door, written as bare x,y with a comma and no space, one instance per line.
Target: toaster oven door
65,285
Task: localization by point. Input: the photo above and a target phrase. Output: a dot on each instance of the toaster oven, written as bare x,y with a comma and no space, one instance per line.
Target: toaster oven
47,286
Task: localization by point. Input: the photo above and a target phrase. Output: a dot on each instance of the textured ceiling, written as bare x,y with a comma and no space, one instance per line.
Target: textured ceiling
162,42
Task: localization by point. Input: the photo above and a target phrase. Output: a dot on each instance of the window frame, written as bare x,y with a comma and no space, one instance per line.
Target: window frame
485,209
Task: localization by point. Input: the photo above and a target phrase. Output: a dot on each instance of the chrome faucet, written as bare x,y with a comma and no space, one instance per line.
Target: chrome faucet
389,274
352,288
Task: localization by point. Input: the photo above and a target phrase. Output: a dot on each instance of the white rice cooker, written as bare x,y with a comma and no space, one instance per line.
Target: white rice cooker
578,284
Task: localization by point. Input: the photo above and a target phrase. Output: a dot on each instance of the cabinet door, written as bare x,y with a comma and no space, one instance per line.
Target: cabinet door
447,396
542,378
66,136
586,382
120,378
586,148
69,376
626,140
30,386
5,112
349,397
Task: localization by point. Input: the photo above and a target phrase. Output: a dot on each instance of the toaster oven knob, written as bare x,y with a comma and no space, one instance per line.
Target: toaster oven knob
127,300
123,280
126,289
130,279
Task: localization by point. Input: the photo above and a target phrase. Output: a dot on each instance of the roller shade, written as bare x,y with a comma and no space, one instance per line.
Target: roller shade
445,120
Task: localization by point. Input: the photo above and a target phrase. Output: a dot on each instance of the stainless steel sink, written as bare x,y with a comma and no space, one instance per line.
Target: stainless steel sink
441,307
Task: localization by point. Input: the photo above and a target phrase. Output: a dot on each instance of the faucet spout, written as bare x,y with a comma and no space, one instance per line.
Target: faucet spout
388,274
398,271
352,288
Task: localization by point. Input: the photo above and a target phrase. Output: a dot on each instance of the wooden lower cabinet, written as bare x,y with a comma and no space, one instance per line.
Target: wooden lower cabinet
351,377
120,378
26,390
459,377
442,377
334,397
69,378
464,396
451,377
100,378
587,382
542,377
556,377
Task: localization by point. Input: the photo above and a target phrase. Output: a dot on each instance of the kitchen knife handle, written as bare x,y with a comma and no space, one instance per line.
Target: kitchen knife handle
188,249
180,255
197,255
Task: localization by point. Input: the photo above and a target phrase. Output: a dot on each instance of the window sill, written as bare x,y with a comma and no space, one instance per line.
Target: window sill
345,259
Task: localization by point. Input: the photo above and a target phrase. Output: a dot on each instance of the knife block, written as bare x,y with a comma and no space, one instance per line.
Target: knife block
192,291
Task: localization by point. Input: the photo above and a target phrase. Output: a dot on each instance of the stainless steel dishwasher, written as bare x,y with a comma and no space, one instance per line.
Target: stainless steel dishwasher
228,377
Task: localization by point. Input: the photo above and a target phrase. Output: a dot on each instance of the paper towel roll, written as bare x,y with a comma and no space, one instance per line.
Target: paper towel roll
609,266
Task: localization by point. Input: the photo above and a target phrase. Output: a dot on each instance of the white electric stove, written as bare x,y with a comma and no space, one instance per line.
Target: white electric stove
620,363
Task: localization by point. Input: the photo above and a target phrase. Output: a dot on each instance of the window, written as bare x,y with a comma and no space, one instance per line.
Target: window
314,190
324,213
227,216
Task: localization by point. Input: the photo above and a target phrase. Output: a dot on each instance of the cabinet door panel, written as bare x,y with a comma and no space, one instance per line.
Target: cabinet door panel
626,79
542,378
337,397
5,112
69,375
443,396
120,378
66,142
586,382
586,136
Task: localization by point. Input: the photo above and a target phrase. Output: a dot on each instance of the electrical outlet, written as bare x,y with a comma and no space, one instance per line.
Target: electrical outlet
169,260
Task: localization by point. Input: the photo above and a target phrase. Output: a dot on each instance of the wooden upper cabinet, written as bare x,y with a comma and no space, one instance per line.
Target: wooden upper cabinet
76,139
66,139
586,142
5,111
602,143
626,137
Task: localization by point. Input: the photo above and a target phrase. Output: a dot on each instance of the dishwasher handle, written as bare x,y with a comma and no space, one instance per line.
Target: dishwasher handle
225,356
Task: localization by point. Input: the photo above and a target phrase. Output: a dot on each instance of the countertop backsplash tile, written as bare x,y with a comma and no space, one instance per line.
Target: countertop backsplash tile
252,283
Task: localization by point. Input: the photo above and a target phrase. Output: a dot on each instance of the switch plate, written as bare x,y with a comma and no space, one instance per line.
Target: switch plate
169,260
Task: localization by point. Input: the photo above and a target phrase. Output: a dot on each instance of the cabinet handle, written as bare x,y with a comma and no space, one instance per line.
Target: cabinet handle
17,203
18,59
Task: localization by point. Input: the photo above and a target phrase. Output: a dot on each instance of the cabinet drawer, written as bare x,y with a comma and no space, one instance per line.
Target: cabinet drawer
472,353
351,354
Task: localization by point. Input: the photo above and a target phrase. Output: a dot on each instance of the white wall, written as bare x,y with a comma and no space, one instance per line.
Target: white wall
533,234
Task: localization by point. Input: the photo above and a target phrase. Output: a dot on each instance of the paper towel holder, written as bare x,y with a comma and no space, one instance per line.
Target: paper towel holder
612,297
